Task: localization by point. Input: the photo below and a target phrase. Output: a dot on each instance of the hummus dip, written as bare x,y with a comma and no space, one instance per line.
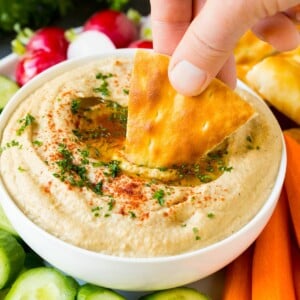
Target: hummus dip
62,162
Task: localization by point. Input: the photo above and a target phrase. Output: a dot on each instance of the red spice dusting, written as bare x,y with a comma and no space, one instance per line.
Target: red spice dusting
122,211
144,216
47,189
207,198
130,190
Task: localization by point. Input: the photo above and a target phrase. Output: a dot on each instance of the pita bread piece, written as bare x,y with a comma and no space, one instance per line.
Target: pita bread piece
165,128
277,80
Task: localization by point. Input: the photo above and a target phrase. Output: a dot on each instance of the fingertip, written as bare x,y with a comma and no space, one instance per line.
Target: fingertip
188,79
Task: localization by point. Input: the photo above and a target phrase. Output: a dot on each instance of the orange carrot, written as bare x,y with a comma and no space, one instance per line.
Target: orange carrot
292,181
238,277
272,277
296,269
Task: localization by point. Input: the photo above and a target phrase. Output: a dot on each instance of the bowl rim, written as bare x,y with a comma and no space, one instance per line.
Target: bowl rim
23,92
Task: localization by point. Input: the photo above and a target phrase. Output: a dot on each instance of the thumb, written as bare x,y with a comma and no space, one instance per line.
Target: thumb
210,39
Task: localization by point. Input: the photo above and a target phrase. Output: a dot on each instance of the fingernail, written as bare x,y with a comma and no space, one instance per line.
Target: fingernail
188,79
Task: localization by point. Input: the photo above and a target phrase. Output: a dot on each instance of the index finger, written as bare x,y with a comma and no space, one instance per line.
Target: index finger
169,20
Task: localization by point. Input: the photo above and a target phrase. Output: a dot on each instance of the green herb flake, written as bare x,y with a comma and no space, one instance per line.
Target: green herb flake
225,169
96,211
159,196
25,122
249,139
196,233
126,91
98,188
103,88
75,174
132,214
210,215
113,168
162,169
37,143
204,178
75,105
111,204
11,144
21,169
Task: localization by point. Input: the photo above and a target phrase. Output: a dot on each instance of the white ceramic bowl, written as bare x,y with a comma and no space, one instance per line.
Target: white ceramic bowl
131,274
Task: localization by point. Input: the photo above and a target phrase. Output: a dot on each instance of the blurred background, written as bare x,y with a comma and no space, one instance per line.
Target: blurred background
64,13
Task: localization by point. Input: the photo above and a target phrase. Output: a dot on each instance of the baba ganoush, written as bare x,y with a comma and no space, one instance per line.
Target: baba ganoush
63,164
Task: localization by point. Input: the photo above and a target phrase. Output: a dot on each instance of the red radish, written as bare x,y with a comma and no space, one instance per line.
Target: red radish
34,62
116,25
141,44
49,39
89,43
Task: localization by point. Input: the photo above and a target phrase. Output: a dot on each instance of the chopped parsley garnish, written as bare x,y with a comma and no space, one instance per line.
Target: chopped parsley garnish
37,143
162,169
207,169
196,233
126,91
74,174
103,88
96,211
159,196
75,105
103,76
10,144
111,203
211,215
90,134
84,154
225,168
204,178
13,143
249,138
132,214
97,188
119,113
113,168
21,169
250,143
25,122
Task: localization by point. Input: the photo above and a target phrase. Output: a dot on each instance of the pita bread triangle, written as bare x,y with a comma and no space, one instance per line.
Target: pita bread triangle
165,128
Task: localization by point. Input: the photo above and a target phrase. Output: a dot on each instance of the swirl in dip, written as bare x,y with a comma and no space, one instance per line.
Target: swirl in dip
62,162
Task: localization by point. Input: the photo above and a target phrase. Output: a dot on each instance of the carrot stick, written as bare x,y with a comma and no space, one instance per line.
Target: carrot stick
272,277
296,269
238,277
292,181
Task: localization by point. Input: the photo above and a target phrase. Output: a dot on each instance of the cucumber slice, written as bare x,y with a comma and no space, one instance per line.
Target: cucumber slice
181,293
12,256
93,292
43,283
5,224
7,89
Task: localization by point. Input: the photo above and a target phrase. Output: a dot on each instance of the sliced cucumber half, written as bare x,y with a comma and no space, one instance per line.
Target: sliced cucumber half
12,256
43,283
7,89
180,293
93,292
5,224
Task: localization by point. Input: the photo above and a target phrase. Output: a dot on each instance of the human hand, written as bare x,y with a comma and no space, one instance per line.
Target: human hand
201,35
